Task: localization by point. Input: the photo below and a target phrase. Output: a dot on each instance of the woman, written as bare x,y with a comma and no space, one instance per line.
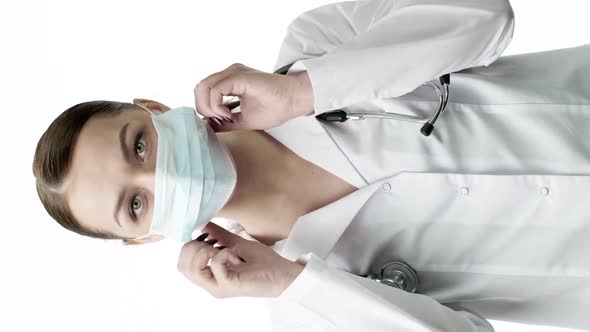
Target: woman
484,242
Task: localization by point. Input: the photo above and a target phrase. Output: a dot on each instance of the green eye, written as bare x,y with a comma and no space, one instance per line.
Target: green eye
139,148
136,204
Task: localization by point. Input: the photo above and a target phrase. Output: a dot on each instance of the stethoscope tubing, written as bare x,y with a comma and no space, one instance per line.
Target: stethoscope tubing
428,123
395,273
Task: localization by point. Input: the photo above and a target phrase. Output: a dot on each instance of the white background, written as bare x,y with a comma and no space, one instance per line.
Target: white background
58,53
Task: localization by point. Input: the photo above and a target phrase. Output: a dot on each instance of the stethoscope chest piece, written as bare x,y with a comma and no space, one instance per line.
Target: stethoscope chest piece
397,274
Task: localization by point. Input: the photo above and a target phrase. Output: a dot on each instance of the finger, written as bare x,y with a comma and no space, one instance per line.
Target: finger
193,252
223,236
216,103
203,89
201,92
213,125
221,267
186,255
219,263
230,85
194,265
240,123
194,256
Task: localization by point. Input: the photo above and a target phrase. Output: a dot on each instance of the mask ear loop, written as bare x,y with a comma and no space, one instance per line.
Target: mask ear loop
125,243
122,242
142,237
147,109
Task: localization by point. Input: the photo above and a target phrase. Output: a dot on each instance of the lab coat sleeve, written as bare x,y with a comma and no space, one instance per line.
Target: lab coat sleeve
355,51
347,302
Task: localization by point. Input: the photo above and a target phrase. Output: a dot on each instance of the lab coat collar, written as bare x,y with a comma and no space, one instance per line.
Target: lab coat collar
309,139
319,230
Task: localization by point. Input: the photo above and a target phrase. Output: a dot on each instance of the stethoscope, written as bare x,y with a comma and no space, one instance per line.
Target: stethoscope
397,274
394,273
441,91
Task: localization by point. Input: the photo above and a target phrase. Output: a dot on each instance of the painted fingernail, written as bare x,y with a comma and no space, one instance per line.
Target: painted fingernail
202,237
211,122
218,121
228,119
211,242
221,247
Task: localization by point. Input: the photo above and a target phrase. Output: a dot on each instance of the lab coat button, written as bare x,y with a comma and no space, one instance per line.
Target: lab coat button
465,191
544,191
386,186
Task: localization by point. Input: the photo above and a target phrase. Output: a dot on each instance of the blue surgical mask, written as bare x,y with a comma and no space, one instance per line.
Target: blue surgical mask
195,174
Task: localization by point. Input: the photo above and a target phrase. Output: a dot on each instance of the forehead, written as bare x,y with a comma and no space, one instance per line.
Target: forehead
98,169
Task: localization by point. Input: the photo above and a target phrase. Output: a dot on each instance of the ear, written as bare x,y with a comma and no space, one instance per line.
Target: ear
148,239
152,105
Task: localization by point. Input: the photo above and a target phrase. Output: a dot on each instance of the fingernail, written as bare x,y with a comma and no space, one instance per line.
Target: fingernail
202,237
211,122
212,242
218,121
221,247
228,119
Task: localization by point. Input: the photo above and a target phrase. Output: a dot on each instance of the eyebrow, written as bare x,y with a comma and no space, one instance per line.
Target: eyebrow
122,142
118,206
125,152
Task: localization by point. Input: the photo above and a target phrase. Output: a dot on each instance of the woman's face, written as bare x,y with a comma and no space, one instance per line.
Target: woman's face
110,186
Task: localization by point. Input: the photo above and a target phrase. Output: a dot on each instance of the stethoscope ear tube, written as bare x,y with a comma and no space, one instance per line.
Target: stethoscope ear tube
333,116
445,79
427,129
428,124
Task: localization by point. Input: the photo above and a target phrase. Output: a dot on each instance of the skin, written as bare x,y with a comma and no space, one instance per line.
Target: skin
269,175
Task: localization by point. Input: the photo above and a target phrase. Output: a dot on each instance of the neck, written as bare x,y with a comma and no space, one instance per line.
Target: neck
274,185
264,199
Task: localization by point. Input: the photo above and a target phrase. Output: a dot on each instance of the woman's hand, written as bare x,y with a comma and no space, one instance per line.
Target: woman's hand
266,100
263,273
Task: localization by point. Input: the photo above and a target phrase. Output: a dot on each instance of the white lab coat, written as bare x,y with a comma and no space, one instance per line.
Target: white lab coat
492,209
